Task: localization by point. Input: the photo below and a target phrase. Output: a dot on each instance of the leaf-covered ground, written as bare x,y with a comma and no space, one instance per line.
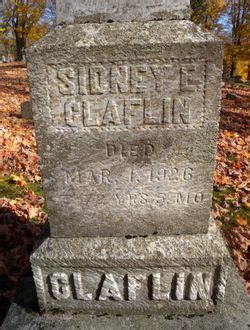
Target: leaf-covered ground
22,213
231,207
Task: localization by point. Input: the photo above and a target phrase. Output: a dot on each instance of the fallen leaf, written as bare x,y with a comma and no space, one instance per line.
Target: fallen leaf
241,221
237,165
33,212
18,180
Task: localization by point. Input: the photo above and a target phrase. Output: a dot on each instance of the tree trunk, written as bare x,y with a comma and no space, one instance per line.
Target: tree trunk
20,46
233,68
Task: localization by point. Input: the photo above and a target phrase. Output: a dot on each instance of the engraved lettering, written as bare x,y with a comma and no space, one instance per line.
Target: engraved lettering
106,176
137,73
159,75
110,289
182,198
198,197
157,83
89,119
134,284
157,288
137,199
132,108
188,174
159,285
181,111
111,150
151,112
60,287
129,112
187,81
66,85
200,284
118,199
149,150
180,285
98,80
167,110
82,80
145,175
153,200
131,288
80,294
111,115
173,175
221,284
72,176
145,150
119,79
73,114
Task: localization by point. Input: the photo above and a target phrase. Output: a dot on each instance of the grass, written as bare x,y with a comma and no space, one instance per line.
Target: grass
224,197
242,85
11,190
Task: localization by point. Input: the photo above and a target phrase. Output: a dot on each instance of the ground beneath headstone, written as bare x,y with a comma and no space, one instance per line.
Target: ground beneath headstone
23,215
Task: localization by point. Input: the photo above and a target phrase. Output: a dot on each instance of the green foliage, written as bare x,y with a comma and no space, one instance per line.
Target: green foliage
9,189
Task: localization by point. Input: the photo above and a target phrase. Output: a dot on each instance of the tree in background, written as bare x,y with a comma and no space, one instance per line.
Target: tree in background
25,20
207,14
229,19
238,49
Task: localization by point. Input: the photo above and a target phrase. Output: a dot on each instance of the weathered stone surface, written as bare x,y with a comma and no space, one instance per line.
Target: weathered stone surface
232,314
126,121
26,110
95,11
186,274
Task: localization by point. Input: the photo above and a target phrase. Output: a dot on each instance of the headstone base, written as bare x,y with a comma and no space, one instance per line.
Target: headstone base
116,301
234,314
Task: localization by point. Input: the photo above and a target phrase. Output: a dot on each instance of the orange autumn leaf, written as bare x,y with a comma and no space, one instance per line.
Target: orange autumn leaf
241,221
228,134
18,180
223,180
237,165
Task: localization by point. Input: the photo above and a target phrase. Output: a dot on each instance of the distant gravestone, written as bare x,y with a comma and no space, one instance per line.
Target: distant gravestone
126,118
26,110
231,96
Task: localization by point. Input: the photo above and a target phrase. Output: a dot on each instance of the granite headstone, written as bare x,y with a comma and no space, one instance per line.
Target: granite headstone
126,109
126,122
95,11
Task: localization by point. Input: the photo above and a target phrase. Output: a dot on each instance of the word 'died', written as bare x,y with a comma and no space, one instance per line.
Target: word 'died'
128,112
136,150
131,287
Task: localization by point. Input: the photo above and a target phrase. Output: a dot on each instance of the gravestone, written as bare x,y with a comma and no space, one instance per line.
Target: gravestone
126,112
95,11
26,110
127,132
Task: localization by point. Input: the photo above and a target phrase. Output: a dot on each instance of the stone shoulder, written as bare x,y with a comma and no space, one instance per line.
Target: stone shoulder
115,34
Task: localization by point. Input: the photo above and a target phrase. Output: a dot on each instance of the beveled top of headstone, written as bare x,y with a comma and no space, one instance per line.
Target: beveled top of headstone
96,11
